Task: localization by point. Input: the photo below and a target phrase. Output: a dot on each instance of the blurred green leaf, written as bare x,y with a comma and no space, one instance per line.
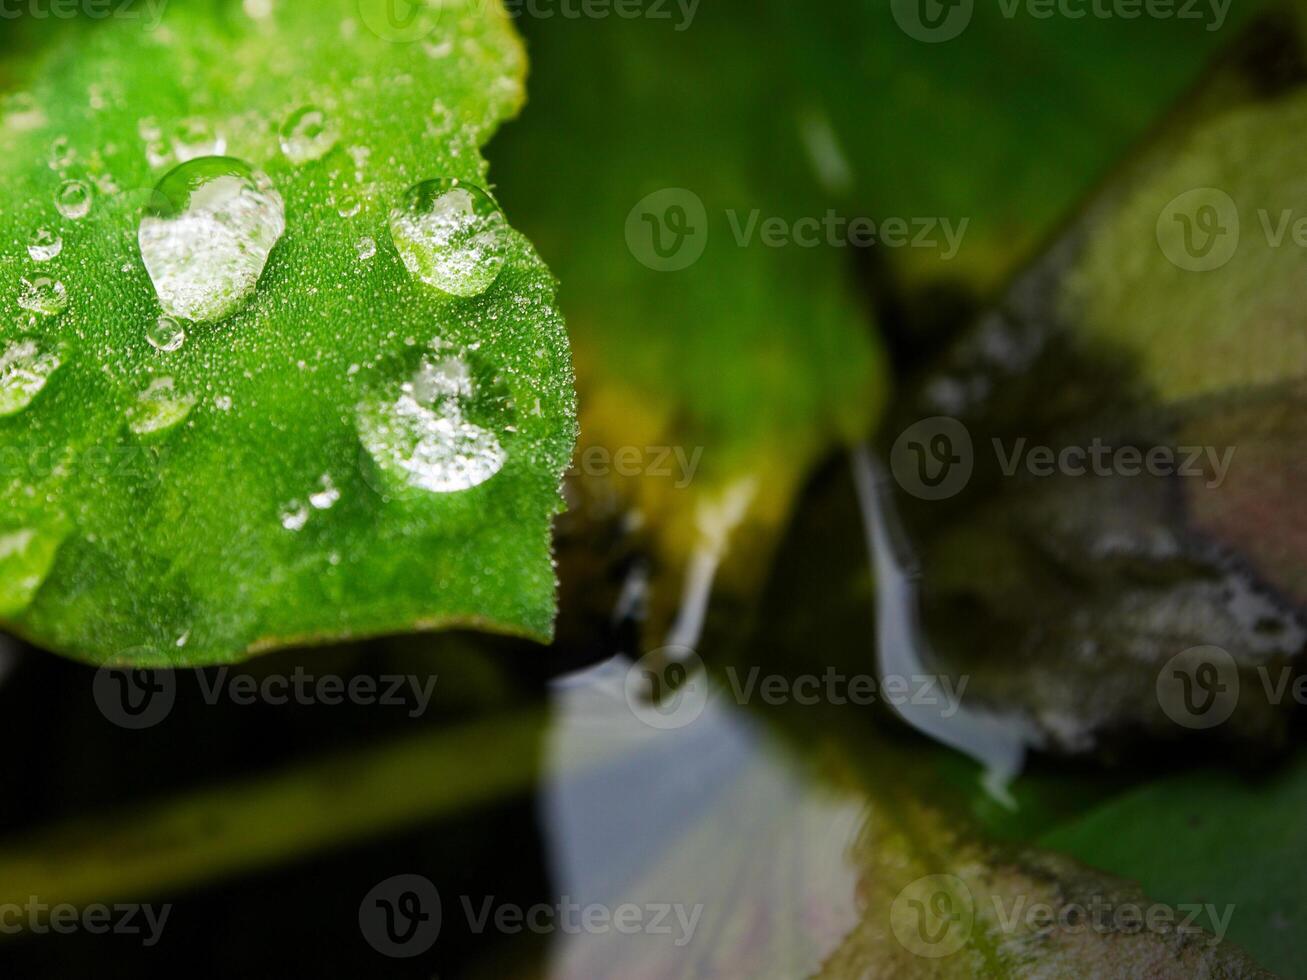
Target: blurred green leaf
272,496
1211,837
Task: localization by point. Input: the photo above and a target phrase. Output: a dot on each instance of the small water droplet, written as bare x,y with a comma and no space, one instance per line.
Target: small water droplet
367,247
44,245
347,203
61,153
326,497
443,432
159,407
207,235
21,112
166,335
222,403
307,135
450,235
43,295
294,516
24,370
194,138
73,199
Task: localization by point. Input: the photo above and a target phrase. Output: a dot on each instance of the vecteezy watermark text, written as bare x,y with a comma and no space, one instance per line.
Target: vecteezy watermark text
149,11
142,698
936,21
63,918
669,689
409,21
658,462
402,917
935,916
935,458
668,231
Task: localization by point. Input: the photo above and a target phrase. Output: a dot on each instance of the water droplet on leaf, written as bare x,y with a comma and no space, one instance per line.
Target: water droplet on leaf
294,516
194,138
73,199
450,235
443,433
159,407
166,335
44,245
367,248
207,235
24,370
44,295
307,135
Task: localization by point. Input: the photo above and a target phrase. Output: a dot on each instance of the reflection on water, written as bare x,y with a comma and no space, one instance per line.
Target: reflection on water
712,819
997,742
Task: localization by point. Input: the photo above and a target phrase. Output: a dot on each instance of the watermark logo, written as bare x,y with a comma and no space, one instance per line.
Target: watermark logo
149,11
667,688
134,699
400,21
933,916
400,917
1199,687
668,230
934,458
1199,230
933,21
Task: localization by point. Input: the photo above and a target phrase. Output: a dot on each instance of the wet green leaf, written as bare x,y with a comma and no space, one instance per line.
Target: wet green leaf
268,479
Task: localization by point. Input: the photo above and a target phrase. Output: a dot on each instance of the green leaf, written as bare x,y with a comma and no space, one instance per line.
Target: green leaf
755,360
1211,837
254,487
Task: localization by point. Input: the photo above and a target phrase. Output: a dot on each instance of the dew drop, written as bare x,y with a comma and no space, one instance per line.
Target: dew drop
21,111
24,370
43,295
307,135
443,432
367,248
61,153
194,138
159,407
207,235
166,335
451,236
327,495
44,245
73,199
294,516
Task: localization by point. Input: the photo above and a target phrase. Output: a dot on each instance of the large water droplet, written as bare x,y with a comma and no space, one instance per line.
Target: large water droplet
207,235
44,295
159,407
450,235
24,370
44,245
73,199
443,432
166,335
307,135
